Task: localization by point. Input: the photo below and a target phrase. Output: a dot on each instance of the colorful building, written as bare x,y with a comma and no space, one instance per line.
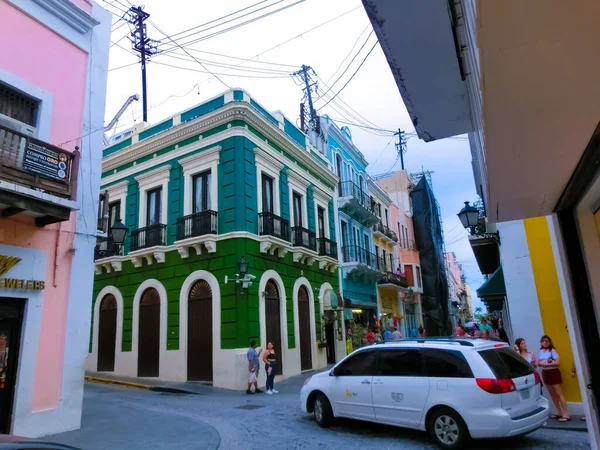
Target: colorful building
457,289
53,69
204,193
360,266
398,186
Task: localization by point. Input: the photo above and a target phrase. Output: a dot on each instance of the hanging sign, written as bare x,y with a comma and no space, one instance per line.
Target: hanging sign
45,161
7,263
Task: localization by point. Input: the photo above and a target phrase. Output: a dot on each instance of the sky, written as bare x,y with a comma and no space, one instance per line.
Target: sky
284,41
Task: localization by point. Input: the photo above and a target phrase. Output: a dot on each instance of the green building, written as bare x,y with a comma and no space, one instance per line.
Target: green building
222,182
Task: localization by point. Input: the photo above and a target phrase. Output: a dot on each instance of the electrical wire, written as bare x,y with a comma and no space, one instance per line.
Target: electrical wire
244,59
228,66
122,67
221,74
117,42
348,55
382,152
351,78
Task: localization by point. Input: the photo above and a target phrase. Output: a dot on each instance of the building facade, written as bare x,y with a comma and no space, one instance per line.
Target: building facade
200,192
49,183
457,289
398,186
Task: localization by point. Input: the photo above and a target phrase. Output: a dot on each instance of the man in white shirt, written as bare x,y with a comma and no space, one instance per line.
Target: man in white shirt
396,336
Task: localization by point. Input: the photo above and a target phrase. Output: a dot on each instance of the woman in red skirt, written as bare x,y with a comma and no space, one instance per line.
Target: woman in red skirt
549,361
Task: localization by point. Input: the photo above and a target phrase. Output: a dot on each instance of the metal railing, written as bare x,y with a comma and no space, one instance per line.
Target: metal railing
408,244
327,247
354,253
34,163
350,189
270,224
301,237
149,236
381,228
394,278
105,248
197,224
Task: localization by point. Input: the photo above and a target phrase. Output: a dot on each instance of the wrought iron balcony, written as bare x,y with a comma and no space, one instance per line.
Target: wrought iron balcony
327,247
408,244
383,231
393,279
39,166
105,248
270,224
301,237
355,202
356,254
197,224
149,236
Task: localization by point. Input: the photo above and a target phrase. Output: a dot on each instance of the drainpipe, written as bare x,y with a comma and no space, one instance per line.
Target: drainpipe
56,254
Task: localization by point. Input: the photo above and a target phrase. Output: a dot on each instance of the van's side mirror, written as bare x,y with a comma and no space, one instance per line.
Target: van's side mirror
334,372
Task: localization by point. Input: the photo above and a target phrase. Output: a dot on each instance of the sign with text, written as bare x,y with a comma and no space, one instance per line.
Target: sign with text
7,263
47,162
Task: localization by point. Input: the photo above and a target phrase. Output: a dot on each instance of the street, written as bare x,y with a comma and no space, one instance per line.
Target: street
115,417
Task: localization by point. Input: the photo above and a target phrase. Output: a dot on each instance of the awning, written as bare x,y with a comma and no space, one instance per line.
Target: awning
493,291
486,252
332,300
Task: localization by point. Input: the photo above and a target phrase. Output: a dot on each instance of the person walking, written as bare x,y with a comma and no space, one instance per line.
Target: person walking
270,360
387,335
521,348
549,361
396,336
253,368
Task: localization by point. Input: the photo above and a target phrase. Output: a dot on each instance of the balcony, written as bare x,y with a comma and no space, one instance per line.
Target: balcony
274,234
393,281
356,203
105,248
197,224
360,262
328,248
36,178
408,244
301,237
150,236
383,232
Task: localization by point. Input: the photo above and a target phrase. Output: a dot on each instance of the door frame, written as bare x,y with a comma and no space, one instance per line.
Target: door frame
273,275
208,299
135,336
216,315
114,362
96,330
303,281
15,349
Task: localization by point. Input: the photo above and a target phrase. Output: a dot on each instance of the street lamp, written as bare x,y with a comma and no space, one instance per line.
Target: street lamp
118,232
469,217
243,277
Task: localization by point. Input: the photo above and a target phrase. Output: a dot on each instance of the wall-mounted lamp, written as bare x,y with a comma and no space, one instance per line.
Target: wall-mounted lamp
243,277
469,217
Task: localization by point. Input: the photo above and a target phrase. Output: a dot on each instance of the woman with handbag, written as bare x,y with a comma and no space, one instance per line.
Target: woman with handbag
270,360
549,361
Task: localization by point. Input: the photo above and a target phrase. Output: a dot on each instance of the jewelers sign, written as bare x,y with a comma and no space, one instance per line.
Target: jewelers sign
45,161
7,263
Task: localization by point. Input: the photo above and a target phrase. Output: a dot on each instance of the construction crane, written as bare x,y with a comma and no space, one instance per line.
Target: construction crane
113,122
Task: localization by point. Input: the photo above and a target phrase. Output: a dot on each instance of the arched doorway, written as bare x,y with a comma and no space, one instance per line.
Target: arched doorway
149,334
273,321
200,327
304,325
107,333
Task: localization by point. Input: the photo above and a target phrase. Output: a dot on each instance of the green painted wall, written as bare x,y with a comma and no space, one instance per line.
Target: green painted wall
310,209
239,310
284,194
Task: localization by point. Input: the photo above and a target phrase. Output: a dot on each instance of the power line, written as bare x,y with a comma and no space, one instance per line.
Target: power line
351,78
382,151
228,66
221,74
348,55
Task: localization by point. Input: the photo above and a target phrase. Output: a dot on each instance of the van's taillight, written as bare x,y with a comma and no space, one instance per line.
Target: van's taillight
495,386
536,375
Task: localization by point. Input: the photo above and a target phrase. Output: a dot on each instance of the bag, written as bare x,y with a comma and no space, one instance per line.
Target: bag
252,378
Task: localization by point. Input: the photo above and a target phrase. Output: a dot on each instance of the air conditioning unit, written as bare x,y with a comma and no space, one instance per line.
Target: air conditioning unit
17,126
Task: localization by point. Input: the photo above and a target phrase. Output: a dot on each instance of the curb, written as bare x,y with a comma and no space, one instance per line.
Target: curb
146,387
551,426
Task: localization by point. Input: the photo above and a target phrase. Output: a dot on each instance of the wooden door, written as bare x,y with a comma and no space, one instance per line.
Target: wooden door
273,322
330,338
200,326
304,324
107,334
149,334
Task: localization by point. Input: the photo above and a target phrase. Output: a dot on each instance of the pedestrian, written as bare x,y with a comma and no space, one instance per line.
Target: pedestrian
521,348
502,335
484,326
421,331
460,331
378,337
370,338
387,335
253,368
396,336
549,362
270,360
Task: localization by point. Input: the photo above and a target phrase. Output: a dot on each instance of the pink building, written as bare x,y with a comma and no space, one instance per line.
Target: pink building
53,69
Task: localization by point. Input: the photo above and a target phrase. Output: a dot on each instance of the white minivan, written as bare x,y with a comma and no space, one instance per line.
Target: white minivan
455,389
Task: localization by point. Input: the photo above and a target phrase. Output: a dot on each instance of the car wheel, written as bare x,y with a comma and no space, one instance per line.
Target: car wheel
322,411
448,429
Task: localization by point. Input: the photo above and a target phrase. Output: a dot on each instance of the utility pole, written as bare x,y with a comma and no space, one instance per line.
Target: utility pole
308,119
401,146
143,45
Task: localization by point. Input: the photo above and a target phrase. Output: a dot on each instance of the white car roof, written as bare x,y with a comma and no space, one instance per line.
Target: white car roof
448,343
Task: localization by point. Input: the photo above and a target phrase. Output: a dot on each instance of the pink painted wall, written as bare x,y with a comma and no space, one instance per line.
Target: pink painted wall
84,5
453,267
61,69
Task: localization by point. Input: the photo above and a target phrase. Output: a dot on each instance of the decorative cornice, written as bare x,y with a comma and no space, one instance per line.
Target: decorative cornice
69,13
155,174
268,160
118,189
349,147
205,157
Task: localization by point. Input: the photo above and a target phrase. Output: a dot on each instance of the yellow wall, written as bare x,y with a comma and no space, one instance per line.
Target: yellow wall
550,301
597,216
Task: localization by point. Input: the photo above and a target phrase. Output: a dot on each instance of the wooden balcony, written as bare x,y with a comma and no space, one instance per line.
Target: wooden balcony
36,178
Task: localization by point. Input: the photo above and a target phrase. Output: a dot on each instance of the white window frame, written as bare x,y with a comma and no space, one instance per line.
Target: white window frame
148,181
195,164
272,167
118,192
321,201
300,186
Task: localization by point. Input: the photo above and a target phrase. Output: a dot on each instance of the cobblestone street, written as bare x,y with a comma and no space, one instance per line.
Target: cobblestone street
120,418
